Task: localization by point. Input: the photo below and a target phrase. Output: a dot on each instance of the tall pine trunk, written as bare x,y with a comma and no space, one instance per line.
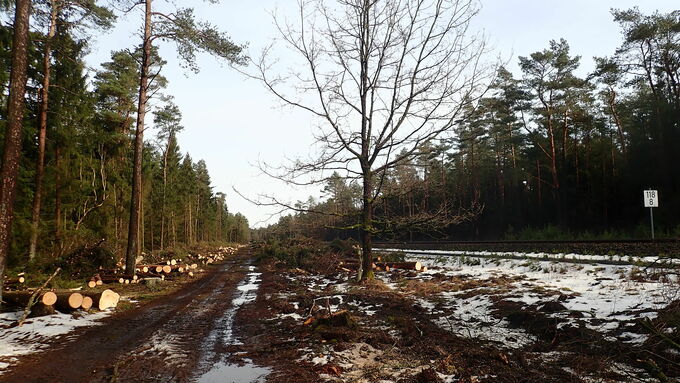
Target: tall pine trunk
135,201
15,116
42,132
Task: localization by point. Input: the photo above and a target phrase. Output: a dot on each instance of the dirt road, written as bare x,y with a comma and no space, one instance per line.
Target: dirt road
177,338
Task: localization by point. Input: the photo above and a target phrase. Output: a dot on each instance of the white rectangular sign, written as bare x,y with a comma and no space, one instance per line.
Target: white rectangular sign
651,198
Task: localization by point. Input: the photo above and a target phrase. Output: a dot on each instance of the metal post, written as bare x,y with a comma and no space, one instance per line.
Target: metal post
651,216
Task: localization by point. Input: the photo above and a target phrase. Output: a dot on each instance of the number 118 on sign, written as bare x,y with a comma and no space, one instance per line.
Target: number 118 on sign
651,198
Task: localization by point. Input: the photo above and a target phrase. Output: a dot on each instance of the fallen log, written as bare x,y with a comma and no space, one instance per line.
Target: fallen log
151,282
33,299
112,279
87,303
22,297
104,300
67,302
150,268
15,281
401,265
39,310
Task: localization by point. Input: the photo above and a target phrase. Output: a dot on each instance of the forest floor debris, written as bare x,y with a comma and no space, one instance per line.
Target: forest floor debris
41,333
465,319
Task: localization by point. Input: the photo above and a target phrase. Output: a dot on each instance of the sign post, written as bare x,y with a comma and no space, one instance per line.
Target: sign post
651,198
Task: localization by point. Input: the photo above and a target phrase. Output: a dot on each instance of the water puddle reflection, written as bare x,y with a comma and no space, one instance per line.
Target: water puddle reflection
223,334
231,373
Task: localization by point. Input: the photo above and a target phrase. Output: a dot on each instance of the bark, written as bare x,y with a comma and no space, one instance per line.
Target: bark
135,203
15,116
611,101
57,197
42,131
67,302
165,184
366,229
104,300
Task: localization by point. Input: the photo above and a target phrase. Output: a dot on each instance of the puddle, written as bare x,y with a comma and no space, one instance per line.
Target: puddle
231,373
221,372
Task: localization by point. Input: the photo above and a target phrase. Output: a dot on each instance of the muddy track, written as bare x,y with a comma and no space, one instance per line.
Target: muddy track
163,340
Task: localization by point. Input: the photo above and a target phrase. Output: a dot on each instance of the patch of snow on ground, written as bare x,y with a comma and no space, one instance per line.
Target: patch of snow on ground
36,333
604,293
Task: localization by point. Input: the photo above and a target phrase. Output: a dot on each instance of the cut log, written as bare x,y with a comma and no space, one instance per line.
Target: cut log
104,300
87,303
40,309
92,284
167,269
150,268
112,279
152,282
21,297
401,265
15,281
68,301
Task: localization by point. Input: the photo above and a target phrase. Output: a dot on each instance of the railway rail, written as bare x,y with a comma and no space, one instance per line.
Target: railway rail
669,247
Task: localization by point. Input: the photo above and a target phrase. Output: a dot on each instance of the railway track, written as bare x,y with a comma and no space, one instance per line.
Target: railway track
585,241
628,247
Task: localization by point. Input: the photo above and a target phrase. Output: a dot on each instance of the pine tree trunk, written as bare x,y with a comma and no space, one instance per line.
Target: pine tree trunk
165,185
135,202
57,197
15,117
42,132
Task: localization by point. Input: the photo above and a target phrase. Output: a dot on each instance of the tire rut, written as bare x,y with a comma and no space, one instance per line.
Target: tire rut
162,340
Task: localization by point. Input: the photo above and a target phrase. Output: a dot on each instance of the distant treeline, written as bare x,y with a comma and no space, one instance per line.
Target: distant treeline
88,153
545,154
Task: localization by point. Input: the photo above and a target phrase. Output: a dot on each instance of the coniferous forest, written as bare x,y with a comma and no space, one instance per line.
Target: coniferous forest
75,169
544,154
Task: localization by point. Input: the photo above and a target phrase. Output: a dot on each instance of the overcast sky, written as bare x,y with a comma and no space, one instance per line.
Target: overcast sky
232,123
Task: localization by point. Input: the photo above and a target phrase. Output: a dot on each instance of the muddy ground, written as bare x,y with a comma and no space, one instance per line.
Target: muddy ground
397,333
164,340
255,320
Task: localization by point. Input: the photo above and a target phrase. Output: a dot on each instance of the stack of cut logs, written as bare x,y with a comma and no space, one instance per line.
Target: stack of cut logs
64,301
164,270
46,302
15,283
351,264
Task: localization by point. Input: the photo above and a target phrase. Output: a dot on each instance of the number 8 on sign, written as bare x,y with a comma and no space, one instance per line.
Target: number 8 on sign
651,198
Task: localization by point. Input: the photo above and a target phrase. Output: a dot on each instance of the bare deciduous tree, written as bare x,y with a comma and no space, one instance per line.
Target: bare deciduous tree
384,78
